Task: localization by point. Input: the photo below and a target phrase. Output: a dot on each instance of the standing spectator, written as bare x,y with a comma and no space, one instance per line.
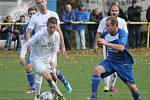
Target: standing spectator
134,15
67,17
148,14
95,16
18,31
6,31
81,16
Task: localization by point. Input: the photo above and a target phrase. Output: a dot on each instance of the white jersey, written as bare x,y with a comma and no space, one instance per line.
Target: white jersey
44,46
39,21
121,24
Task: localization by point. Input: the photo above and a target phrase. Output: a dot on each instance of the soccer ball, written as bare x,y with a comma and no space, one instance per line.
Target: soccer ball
47,95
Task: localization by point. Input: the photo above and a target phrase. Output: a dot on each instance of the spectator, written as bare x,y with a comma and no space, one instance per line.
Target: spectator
18,31
81,16
148,14
6,32
134,15
121,13
95,16
67,17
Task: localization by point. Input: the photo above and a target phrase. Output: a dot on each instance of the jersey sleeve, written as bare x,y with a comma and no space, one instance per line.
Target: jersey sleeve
102,26
123,37
28,44
56,42
32,23
125,26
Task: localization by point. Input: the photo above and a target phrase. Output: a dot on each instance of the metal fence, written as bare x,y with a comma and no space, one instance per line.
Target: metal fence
77,22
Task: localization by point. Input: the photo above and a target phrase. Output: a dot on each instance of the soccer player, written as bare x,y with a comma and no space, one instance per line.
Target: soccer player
30,76
38,22
114,11
45,45
118,59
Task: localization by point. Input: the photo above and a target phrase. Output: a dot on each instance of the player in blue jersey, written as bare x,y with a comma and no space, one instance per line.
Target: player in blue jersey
118,59
30,76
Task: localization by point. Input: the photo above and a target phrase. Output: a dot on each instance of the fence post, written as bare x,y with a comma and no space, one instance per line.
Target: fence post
148,32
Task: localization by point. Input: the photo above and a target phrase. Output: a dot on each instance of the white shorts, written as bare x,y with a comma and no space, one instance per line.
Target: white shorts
39,67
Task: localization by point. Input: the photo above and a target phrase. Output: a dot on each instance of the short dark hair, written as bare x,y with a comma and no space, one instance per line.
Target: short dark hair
32,8
113,20
52,20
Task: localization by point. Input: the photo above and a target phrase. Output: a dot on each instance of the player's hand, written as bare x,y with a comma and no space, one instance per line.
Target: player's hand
101,41
96,47
22,61
64,52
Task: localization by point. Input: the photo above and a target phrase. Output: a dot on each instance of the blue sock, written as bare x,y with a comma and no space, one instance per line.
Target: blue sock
95,84
30,78
136,95
61,76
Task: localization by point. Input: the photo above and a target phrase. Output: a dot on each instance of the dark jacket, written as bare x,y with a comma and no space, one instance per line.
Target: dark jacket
134,14
148,14
95,18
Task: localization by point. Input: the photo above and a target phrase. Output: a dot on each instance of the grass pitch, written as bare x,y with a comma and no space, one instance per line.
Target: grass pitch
77,68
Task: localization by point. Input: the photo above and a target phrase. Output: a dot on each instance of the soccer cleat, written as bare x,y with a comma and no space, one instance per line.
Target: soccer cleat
106,89
68,88
29,91
61,97
91,98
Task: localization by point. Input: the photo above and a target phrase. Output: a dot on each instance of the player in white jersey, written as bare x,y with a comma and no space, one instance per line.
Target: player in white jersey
38,22
45,45
114,11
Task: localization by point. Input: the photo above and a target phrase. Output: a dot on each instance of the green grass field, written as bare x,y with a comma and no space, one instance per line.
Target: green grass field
77,67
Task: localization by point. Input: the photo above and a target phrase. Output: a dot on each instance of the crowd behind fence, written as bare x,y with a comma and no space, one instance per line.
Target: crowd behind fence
87,23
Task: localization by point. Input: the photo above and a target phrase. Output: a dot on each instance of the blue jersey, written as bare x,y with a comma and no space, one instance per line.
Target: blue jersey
121,37
25,33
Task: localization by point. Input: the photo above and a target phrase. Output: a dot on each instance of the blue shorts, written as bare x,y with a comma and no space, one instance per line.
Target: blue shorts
28,59
124,71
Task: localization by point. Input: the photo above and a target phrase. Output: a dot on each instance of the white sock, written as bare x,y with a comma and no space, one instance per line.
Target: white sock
37,88
54,86
106,81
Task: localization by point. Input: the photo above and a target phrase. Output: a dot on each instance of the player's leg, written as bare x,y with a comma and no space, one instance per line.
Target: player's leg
134,90
125,73
63,80
107,79
106,83
112,82
52,84
38,84
30,76
102,70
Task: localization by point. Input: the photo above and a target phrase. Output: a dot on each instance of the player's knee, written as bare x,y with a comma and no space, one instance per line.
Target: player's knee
133,88
98,70
114,75
29,67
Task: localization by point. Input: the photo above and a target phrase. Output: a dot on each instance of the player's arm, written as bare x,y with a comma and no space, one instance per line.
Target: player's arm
97,36
61,40
27,45
23,52
29,32
53,59
119,47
